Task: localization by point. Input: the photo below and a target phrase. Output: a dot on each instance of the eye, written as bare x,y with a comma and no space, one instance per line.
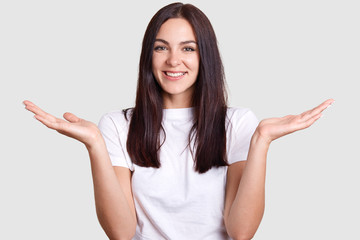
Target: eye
189,49
160,48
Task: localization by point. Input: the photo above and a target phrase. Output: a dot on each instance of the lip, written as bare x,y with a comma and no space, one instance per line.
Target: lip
174,78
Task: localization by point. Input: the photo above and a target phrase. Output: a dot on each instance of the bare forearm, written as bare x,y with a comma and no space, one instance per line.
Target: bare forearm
248,206
113,210
112,206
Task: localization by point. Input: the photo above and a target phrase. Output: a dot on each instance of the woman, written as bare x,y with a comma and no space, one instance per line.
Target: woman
173,167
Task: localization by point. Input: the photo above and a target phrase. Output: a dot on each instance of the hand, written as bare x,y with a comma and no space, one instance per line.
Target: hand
273,128
77,128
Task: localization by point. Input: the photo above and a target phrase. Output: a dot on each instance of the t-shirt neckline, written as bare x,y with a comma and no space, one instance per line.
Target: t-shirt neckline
178,113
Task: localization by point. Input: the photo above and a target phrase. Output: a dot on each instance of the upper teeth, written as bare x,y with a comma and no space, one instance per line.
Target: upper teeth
175,74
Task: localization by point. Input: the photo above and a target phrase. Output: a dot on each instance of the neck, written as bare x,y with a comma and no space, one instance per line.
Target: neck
177,101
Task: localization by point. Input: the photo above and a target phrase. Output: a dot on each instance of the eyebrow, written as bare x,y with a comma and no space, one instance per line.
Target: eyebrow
181,43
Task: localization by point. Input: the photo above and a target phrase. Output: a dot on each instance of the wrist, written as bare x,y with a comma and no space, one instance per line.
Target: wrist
95,141
259,139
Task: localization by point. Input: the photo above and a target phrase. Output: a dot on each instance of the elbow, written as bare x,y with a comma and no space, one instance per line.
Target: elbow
242,237
120,235
116,229
118,232
240,233
123,237
127,234
241,230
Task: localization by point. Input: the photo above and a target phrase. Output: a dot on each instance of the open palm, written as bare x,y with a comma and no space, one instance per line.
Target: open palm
274,128
74,127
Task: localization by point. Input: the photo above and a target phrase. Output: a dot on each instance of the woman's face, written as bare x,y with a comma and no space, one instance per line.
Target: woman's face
175,62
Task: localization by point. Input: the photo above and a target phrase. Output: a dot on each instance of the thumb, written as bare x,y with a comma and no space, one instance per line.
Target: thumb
71,117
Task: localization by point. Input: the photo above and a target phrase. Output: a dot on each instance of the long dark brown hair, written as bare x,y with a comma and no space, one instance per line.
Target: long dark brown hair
209,98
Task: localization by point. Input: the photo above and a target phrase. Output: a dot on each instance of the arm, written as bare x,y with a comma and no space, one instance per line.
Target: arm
112,187
113,197
245,190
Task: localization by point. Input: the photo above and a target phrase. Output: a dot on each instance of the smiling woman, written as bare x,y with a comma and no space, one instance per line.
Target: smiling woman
180,38
180,164
175,62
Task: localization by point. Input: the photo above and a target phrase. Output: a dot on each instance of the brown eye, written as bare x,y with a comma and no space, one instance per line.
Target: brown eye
160,48
189,49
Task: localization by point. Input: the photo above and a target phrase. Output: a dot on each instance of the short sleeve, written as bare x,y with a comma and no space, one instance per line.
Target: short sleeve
114,129
241,127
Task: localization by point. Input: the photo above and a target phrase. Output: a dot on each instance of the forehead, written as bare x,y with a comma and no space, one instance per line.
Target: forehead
176,30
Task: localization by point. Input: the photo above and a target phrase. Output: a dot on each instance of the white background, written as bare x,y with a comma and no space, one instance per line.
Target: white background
280,57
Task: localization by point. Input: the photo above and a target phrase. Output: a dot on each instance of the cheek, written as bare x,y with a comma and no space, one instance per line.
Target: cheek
155,68
153,62
193,64
157,63
193,61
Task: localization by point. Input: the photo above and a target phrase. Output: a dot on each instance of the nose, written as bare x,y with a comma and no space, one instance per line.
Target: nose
173,59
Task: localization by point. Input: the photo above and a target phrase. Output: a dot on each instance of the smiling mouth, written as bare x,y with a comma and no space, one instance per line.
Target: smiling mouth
175,74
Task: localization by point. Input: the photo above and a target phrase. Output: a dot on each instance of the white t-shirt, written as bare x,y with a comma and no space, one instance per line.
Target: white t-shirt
174,201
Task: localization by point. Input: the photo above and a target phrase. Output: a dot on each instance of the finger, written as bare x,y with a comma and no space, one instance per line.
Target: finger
315,111
27,102
324,105
38,111
71,117
56,125
311,121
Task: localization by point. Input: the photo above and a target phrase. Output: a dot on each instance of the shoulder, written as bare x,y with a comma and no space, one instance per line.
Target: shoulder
240,121
241,124
118,119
